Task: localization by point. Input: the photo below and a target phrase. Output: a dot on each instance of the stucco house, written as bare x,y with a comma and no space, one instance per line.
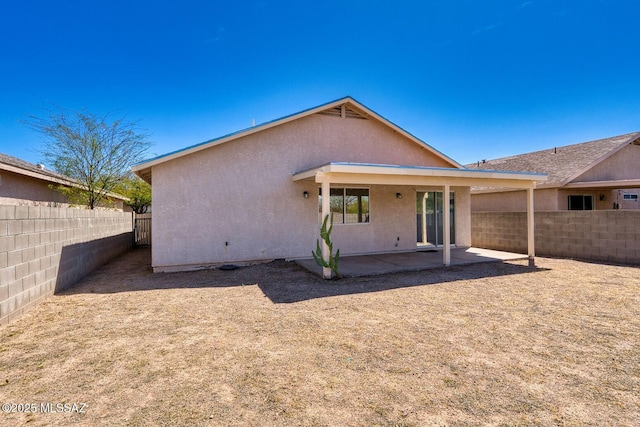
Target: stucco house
28,184
24,183
261,193
594,175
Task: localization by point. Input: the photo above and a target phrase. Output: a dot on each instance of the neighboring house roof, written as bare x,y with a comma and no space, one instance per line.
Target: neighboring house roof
346,106
39,171
19,166
561,164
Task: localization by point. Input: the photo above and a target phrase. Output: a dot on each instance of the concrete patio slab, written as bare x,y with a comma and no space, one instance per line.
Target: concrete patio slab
422,259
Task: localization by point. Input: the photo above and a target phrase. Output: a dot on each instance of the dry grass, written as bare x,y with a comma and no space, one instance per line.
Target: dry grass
491,344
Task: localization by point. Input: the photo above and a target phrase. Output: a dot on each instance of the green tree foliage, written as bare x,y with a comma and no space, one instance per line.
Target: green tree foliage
95,151
138,192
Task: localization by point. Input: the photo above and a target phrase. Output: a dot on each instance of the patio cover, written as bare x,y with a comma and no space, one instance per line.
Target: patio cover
376,174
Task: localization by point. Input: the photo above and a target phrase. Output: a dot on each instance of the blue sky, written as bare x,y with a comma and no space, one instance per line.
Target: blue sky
475,79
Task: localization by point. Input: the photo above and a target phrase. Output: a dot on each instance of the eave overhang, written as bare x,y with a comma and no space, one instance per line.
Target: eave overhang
40,176
615,184
585,185
53,179
378,174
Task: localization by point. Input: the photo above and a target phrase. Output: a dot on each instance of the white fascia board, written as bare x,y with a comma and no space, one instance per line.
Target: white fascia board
407,175
36,175
49,178
297,176
416,181
497,189
277,122
242,133
430,171
620,183
405,133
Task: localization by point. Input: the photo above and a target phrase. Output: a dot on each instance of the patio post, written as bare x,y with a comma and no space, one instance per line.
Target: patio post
326,210
424,217
446,207
531,247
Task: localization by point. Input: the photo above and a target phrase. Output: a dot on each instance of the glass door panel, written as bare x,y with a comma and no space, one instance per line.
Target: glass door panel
430,218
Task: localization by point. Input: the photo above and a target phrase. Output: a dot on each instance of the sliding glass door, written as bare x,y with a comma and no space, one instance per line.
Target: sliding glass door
430,219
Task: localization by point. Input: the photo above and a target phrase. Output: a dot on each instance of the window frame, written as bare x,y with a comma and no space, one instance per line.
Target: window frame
344,206
583,197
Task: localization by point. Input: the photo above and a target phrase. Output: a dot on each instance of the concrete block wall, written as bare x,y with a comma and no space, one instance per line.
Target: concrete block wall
46,249
608,235
500,231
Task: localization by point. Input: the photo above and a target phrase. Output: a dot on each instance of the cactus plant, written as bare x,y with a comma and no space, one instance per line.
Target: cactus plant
332,262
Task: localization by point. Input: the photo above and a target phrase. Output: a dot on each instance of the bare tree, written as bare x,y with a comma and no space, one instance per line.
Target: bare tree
96,151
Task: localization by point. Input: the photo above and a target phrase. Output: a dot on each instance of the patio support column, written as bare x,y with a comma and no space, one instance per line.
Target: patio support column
446,225
423,218
531,246
326,210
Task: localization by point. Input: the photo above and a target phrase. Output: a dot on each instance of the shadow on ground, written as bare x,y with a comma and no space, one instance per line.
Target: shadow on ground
315,287
280,281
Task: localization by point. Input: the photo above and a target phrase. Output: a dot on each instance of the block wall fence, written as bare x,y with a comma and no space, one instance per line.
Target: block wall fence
609,236
46,249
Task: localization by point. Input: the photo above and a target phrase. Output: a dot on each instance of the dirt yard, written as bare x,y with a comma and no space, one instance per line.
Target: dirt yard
489,344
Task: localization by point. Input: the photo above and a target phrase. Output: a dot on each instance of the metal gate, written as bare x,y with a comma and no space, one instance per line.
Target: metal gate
142,230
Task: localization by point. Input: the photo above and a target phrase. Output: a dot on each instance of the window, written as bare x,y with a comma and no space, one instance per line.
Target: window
581,203
347,205
632,197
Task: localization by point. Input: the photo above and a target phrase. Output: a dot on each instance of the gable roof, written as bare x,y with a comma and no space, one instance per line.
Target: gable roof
345,107
19,166
561,164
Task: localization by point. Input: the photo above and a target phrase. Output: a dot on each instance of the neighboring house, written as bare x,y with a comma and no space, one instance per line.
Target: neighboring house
598,175
260,194
24,183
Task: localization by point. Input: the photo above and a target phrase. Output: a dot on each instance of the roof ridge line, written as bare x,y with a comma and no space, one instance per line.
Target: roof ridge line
630,134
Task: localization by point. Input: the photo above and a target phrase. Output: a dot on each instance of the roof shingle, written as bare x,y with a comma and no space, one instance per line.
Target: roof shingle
22,164
561,164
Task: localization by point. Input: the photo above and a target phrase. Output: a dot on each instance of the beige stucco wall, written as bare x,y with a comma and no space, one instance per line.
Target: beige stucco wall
16,189
625,164
393,222
515,201
463,216
550,199
22,190
389,227
617,196
603,198
237,201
